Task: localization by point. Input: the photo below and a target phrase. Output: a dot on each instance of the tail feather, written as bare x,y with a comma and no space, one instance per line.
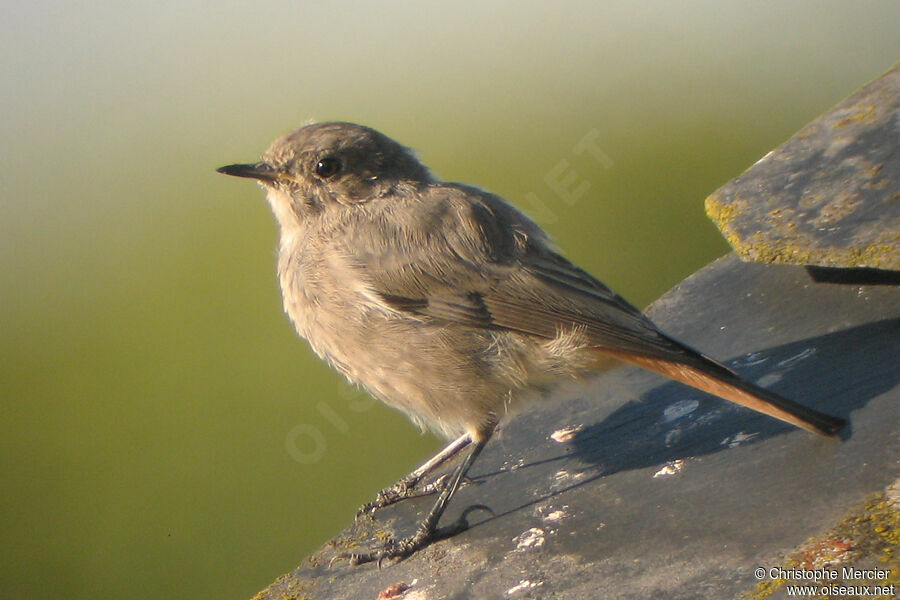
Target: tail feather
718,380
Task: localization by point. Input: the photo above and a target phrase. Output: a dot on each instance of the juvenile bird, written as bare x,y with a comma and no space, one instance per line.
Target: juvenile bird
449,303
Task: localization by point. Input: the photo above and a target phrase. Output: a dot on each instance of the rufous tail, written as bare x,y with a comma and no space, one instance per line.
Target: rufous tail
720,381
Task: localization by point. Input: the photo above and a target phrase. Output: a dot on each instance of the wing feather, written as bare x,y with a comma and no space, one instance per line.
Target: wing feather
487,265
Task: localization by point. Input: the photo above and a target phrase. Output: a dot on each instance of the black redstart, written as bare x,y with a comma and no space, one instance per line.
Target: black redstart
447,302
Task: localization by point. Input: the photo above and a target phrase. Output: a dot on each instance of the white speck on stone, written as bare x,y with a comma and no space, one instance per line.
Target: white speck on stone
673,467
679,409
555,516
792,360
737,439
769,379
893,493
513,466
563,475
566,433
523,585
673,436
563,478
764,158
531,539
749,360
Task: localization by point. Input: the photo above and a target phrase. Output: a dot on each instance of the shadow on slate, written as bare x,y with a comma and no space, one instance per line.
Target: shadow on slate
641,442
593,516
857,276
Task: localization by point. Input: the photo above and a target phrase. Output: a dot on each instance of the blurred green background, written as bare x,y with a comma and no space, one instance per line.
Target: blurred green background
164,434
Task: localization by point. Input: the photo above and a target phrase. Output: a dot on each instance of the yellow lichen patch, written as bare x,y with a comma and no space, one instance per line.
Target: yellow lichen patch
759,248
808,131
285,588
839,208
718,211
723,214
787,245
795,249
870,533
879,184
866,113
810,200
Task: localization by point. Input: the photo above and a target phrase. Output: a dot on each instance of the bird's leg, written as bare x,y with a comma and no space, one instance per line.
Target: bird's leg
407,487
427,530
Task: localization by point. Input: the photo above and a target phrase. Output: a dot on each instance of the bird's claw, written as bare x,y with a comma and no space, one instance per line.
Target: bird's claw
403,489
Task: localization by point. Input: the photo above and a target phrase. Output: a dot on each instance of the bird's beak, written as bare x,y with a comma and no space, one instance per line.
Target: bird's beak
261,171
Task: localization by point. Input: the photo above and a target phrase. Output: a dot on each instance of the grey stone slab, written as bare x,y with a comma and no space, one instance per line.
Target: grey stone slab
654,489
829,196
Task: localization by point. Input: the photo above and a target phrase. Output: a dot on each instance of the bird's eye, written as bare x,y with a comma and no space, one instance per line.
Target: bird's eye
328,167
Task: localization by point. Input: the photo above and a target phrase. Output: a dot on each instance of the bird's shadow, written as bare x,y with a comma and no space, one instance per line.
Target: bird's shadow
836,373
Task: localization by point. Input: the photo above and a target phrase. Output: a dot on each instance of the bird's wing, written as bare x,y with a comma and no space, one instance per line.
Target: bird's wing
486,265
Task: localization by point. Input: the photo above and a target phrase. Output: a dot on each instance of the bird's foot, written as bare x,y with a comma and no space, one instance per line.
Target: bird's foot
403,548
405,488
407,546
